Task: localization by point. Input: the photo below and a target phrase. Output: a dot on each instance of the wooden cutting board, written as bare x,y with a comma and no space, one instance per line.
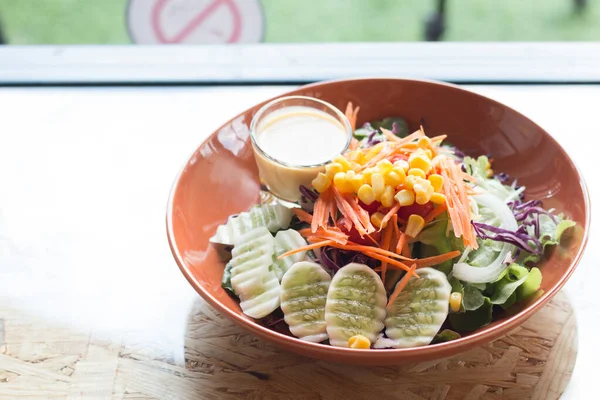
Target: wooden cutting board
535,361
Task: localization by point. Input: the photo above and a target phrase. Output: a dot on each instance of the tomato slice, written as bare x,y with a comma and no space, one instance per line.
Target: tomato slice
397,157
418,209
371,208
354,236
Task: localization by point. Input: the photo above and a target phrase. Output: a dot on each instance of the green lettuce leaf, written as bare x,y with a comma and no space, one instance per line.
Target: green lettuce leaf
434,236
531,284
472,320
505,288
517,284
388,123
550,235
226,280
472,298
446,335
480,169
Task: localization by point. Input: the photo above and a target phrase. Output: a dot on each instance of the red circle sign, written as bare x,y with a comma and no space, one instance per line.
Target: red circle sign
195,21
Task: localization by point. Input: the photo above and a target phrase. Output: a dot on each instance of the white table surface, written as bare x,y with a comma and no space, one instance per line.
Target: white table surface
84,179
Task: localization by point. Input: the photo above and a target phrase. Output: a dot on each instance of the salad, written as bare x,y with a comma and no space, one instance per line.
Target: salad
402,241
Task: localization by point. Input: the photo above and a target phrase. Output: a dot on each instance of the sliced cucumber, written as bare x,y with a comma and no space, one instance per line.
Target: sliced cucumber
284,242
264,300
355,304
251,275
252,256
303,295
418,312
272,216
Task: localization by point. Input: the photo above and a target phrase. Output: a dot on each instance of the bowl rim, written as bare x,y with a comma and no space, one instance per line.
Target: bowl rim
484,335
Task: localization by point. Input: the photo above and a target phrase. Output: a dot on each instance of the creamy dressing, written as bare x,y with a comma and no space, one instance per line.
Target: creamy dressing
301,136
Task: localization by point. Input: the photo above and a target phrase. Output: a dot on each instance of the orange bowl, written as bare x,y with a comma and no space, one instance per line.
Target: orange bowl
221,179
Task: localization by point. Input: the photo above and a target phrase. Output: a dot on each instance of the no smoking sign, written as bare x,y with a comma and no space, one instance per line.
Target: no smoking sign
195,21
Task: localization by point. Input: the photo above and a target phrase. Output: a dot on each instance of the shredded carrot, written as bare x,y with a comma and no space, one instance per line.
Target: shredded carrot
468,177
303,215
401,285
385,245
351,114
350,209
329,233
323,210
391,262
415,135
386,152
435,260
438,138
395,225
306,248
433,214
457,202
354,143
363,215
371,249
390,214
389,135
410,146
401,243
358,247
401,144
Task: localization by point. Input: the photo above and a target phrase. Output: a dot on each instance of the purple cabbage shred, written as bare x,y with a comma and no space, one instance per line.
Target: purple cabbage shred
308,194
334,258
518,238
371,141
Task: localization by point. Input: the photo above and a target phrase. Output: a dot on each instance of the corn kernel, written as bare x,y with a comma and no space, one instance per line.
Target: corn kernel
385,166
367,173
438,198
393,179
355,157
402,164
373,151
366,194
387,197
322,182
455,301
422,198
416,172
420,162
359,342
354,166
343,162
405,197
410,181
378,183
423,191
333,168
415,225
422,186
400,171
356,182
437,181
376,220
360,157
424,143
339,180
351,155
